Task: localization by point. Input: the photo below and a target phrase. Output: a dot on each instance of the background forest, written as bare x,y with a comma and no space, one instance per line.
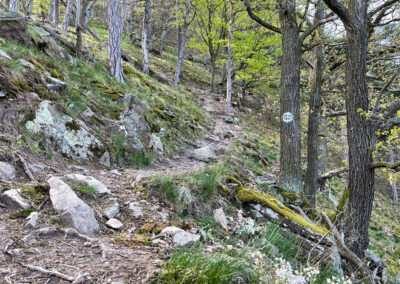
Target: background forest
199,141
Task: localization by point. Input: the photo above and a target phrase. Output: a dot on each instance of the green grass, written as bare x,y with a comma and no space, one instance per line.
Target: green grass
83,188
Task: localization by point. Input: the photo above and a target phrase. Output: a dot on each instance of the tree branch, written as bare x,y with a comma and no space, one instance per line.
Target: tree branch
348,20
383,90
335,113
382,6
315,26
333,173
258,19
378,165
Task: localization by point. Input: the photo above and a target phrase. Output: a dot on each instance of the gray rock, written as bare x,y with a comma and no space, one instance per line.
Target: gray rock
156,144
133,122
209,109
265,180
204,154
14,27
112,211
75,212
26,64
33,220
105,160
14,200
81,217
98,186
5,55
164,216
7,171
56,85
184,238
114,224
2,94
68,134
171,230
220,218
136,209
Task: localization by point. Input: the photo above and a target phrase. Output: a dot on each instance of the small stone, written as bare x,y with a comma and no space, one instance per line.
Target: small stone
33,220
4,54
32,96
164,216
105,160
13,199
7,171
136,209
220,218
114,224
29,240
112,211
156,144
204,154
265,180
2,94
26,64
171,230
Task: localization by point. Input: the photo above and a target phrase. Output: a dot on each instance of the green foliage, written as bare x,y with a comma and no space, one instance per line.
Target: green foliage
143,159
21,214
84,188
207,180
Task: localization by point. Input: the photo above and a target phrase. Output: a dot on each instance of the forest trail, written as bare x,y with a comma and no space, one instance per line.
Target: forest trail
115,256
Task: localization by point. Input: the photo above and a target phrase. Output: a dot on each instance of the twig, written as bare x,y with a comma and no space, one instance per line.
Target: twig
75,280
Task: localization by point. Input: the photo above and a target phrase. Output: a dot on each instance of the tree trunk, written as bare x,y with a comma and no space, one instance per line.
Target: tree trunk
89,13
67,17
14,6
213,72
311,179
150,28
114,40
393,193
145,34
322,151
78,13
164,33
290,130
56,13
181,48
228,65
50,16
131,24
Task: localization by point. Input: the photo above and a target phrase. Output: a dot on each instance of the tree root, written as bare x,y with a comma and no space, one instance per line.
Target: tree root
81,278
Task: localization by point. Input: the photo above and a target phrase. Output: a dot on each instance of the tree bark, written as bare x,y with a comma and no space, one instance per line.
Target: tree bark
181,47
393,193
322,151
164,33
14,6
51,11
67,17
359,128
290,130
311,179
145,34
228,64
78,13
131,24
114,40
213,72
56,13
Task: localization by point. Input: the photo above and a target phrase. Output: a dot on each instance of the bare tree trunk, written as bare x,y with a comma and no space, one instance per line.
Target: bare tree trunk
181,47
290,130
145,34
50,16
89,13
78,13
56,13
393,194
131,24
30,8
14,6
150,28
228,65
114,40
322,151
213,72
311,179
67,17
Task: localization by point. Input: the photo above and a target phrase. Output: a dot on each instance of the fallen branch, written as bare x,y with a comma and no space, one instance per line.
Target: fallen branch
81,278
344,251
26,168
378,165
333,173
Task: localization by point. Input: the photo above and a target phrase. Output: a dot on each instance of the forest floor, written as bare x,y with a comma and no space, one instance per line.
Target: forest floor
120,258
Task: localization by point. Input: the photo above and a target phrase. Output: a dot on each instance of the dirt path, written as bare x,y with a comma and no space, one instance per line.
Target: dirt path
125,259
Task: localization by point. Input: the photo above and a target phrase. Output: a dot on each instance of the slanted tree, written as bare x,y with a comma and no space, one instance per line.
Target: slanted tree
114,40
182,32
67,16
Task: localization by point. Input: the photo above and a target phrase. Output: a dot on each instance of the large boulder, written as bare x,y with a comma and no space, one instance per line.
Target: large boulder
74,211
69,135
133,122
204,154
14,27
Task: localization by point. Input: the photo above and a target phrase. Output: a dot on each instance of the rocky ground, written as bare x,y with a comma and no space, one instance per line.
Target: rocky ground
109,250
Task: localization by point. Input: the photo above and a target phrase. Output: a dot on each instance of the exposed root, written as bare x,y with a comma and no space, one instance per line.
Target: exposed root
81,278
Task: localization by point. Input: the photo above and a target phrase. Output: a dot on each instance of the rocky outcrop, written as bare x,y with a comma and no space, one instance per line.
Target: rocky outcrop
68,134
12,199
14,27
74,211
205,154
133,122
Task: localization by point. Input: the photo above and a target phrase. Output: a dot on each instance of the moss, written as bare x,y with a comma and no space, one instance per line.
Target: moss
233,180
36,193
37,64
245,194
343,200
295,197
113,94
72,125
55,74
331,214
21,214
